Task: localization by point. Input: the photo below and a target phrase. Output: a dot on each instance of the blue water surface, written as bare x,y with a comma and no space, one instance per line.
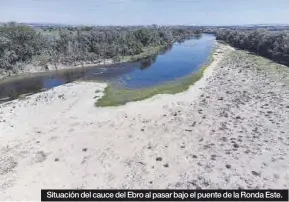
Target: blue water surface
183,59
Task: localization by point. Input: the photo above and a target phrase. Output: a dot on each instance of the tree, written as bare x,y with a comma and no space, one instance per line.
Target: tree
274,45
20,44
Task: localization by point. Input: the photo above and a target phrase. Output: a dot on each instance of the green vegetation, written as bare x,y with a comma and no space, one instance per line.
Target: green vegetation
21,45
271,44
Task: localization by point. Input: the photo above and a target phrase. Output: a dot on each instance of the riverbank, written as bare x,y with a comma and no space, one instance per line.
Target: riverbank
230,129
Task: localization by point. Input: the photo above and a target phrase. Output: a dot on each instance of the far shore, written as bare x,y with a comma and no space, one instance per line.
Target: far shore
61,68
31,70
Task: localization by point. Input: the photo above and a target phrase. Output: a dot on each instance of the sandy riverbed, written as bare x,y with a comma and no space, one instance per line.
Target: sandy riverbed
229,130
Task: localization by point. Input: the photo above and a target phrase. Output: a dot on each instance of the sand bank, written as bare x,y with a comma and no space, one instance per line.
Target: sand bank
229,130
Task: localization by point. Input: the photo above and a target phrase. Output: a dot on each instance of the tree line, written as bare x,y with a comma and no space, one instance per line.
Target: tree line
271,44
21,44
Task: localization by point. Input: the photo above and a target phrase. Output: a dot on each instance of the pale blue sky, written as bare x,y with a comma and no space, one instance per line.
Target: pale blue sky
144,12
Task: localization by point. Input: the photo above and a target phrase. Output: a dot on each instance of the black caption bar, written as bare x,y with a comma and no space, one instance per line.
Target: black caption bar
163,195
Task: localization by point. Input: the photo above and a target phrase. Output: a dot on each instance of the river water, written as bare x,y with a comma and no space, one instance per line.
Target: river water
175,62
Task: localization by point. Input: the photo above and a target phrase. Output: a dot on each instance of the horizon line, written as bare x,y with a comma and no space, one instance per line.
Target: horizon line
153,24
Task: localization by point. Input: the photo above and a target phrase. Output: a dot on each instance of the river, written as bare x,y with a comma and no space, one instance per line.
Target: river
179,60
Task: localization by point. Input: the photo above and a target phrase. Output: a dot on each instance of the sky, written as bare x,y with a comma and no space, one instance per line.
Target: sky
146,12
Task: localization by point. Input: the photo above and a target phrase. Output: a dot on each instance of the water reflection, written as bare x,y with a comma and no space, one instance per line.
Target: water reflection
147,62
196,37
12,90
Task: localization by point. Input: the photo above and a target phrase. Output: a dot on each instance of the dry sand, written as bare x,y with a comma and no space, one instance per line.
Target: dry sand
229,130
